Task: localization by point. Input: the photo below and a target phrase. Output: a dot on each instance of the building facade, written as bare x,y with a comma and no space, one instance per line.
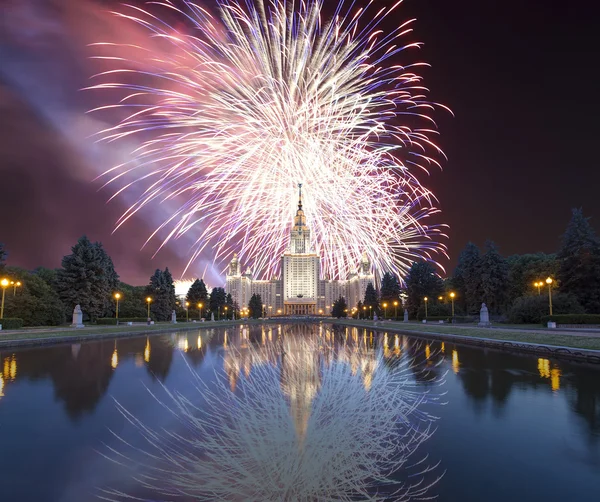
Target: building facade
300,289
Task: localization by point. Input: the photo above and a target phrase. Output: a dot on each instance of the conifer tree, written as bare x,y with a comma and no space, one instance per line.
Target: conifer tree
390,288
87,278
197,294
467,279
422,280
255,306
162,291
3,255
217,301
579,263
494,279
340,308
371,301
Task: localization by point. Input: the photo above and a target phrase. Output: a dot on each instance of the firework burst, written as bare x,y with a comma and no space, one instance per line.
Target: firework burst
240,107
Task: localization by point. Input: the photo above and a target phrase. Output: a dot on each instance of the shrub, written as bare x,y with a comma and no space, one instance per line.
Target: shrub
572,319
531,309
11,323
107,321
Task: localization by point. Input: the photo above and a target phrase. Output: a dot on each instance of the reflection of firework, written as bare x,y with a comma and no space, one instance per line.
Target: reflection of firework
236,112
308,427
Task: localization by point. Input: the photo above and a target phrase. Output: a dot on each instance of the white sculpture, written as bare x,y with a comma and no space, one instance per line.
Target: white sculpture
173,317
405,315
484,316
77,317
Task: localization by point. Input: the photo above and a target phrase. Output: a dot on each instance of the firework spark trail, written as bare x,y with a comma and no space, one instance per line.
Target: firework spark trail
268,95
247,444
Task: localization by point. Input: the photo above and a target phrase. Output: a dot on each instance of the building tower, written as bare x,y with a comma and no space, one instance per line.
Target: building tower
300,267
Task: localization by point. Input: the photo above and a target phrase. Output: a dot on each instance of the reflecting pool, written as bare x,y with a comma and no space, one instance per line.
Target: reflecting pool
305,406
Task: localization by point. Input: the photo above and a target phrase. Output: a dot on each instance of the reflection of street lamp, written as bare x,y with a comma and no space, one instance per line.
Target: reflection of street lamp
148,301
539,285
384,310
117,297
426,299
4,284
200,309
395,309
549,282
452,295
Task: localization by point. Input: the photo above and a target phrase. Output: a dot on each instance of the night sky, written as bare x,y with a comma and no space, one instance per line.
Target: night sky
521,77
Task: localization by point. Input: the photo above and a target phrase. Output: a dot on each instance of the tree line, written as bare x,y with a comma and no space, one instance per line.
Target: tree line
87,277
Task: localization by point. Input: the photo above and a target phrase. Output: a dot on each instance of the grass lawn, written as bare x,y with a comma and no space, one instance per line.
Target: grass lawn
540,337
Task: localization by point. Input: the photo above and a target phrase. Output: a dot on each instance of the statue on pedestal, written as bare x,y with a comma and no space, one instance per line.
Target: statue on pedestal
405,315
77,317
173,317
484,316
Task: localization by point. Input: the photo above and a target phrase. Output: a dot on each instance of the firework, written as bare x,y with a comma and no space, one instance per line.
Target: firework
238,108
302,423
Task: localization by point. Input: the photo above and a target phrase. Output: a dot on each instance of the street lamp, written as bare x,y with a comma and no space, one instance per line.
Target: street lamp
15,285
270,311
148,301
364,312
452,295
440,298
549,282
384,310
395,309
225,311
187,311
539,285
371,311
200,309
117,297
426,299
4,284
264,311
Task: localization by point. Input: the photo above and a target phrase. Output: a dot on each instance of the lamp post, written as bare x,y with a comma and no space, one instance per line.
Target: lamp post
549,282
148,301
426,299
371,311
200,310
452,295
187,311
395,309
225,311
117,297
384,310
264,311
270,311
440,298
539,285
364,312
15,285
4,284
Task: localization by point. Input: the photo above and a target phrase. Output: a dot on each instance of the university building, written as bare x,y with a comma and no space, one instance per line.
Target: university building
300,290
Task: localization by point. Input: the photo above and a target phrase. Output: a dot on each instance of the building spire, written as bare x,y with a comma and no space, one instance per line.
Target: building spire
299,196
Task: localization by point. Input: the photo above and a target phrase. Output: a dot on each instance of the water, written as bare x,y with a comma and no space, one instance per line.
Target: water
510,427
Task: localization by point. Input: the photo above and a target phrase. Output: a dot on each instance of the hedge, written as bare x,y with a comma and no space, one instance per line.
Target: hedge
107,321
455,319
11,323
572,319
134,319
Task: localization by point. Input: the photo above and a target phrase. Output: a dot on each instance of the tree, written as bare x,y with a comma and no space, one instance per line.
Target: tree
255,306
162,292
526,269
87,278
34,301
467,279
494,279
340,308
579,263
197,294
218,298
3,255
133,301
422,280
390,288
531,308
371,300
359,310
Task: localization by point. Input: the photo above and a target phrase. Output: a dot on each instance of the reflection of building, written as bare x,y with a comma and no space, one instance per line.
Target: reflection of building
300,290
